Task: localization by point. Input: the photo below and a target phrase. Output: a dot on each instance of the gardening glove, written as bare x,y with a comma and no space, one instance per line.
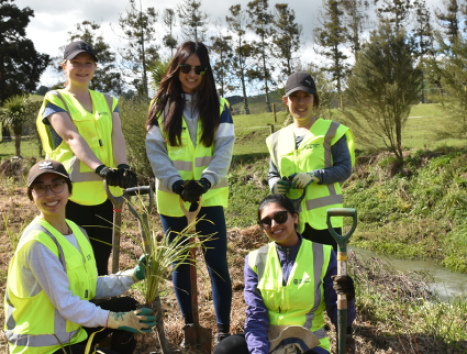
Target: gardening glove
139,321
111,175
179,186
282,186
194,190
139,273
303,180
343,285
128,178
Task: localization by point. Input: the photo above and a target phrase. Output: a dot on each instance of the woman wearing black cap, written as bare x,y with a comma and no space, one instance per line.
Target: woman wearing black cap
310,153
81,128
52,277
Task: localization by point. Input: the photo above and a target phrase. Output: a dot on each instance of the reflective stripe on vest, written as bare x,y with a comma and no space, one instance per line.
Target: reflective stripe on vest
60,324
96,130
258,261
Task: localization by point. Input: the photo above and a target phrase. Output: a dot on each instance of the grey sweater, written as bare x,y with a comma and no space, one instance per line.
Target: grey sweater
156,147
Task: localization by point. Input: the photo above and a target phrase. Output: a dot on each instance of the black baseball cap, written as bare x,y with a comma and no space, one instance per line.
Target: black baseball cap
78,47
301,81
46,166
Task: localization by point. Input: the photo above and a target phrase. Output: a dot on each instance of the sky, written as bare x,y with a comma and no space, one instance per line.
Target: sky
55,18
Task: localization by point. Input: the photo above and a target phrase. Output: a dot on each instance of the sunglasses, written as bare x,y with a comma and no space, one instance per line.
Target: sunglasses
199,69
279,217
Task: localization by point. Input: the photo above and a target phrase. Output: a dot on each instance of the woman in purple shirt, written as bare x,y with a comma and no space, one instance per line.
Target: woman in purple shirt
277,217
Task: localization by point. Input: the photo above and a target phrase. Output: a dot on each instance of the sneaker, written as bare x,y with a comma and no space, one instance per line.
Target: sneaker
220,336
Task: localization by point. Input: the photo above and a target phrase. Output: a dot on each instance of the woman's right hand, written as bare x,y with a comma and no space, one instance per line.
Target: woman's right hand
282,186
139,321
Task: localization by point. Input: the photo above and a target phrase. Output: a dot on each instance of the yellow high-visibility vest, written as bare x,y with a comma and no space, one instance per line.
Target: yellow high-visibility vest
313,153
190,161
301,301
33,324
96,129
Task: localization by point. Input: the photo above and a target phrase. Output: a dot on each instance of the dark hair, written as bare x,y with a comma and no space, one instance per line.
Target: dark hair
316,99
67,180
170,95
278,199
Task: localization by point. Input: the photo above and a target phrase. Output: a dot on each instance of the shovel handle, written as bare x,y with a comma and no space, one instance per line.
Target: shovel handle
117,203
341,240
191,215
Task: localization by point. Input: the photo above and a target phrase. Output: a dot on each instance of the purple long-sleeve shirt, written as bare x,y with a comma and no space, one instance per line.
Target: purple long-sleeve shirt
257,319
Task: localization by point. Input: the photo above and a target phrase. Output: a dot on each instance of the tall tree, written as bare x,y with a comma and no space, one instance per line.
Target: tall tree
21,66
192,20
383,87
169,40
331,37
106,78
395,13
356,21
242,66
140,51
221,46
286,38
450,20
423,34
260,23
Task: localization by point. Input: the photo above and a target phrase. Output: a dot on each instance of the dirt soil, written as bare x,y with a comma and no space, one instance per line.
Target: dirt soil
371,337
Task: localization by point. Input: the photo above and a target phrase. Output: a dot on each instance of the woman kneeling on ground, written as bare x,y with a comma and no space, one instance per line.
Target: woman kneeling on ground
53,276
288,282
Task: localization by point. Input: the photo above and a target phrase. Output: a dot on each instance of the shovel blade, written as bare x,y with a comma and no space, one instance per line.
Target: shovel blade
199,337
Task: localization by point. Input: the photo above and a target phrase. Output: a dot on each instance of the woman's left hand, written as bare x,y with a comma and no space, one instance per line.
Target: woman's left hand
303,180
194,190
343,284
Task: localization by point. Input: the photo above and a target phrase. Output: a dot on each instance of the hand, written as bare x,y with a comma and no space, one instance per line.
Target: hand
127,177
282,186
139,321
179,186
139,273
303,180
194,190
111,175
343,285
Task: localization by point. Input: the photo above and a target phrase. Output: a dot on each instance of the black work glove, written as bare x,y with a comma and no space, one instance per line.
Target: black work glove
343,285
111,175
194,190
127,177
179,186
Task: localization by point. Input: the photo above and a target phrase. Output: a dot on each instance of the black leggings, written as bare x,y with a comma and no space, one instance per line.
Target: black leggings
122,342
321,236
87,216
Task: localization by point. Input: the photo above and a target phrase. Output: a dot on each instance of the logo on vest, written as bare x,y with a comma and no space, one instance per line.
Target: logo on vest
302,281
103,114
310,146
44,165
89,257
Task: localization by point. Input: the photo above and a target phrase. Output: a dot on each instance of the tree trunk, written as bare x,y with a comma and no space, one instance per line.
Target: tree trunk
245,98
6,135
18,131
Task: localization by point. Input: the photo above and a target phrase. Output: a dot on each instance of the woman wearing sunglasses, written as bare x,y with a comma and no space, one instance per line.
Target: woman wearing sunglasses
189,142
312,154
290,281
53,276
81,128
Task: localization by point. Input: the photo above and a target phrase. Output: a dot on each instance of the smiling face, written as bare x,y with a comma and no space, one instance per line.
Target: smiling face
283,234
300,104
80,70
191,81
51,203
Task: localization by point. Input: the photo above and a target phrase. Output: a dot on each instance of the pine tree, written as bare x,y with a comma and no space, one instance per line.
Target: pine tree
260,20
450,20
140,51
221,46
242,66
382,88
169,40
286,38
192,20
106,78
356,21
423,34
331,37
395,13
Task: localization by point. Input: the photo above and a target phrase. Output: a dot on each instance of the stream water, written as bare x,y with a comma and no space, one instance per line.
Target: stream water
447,284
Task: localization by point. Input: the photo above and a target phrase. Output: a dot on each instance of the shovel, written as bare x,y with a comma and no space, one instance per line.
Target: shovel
144,225
196,336
341,270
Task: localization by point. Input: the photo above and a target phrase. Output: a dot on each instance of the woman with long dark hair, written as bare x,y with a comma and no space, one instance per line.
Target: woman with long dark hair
189,142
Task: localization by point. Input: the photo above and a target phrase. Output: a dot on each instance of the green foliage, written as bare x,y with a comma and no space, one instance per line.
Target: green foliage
192,20
21,66
382,89
450,21
395,14
157,70
221,47
356,21
169,40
